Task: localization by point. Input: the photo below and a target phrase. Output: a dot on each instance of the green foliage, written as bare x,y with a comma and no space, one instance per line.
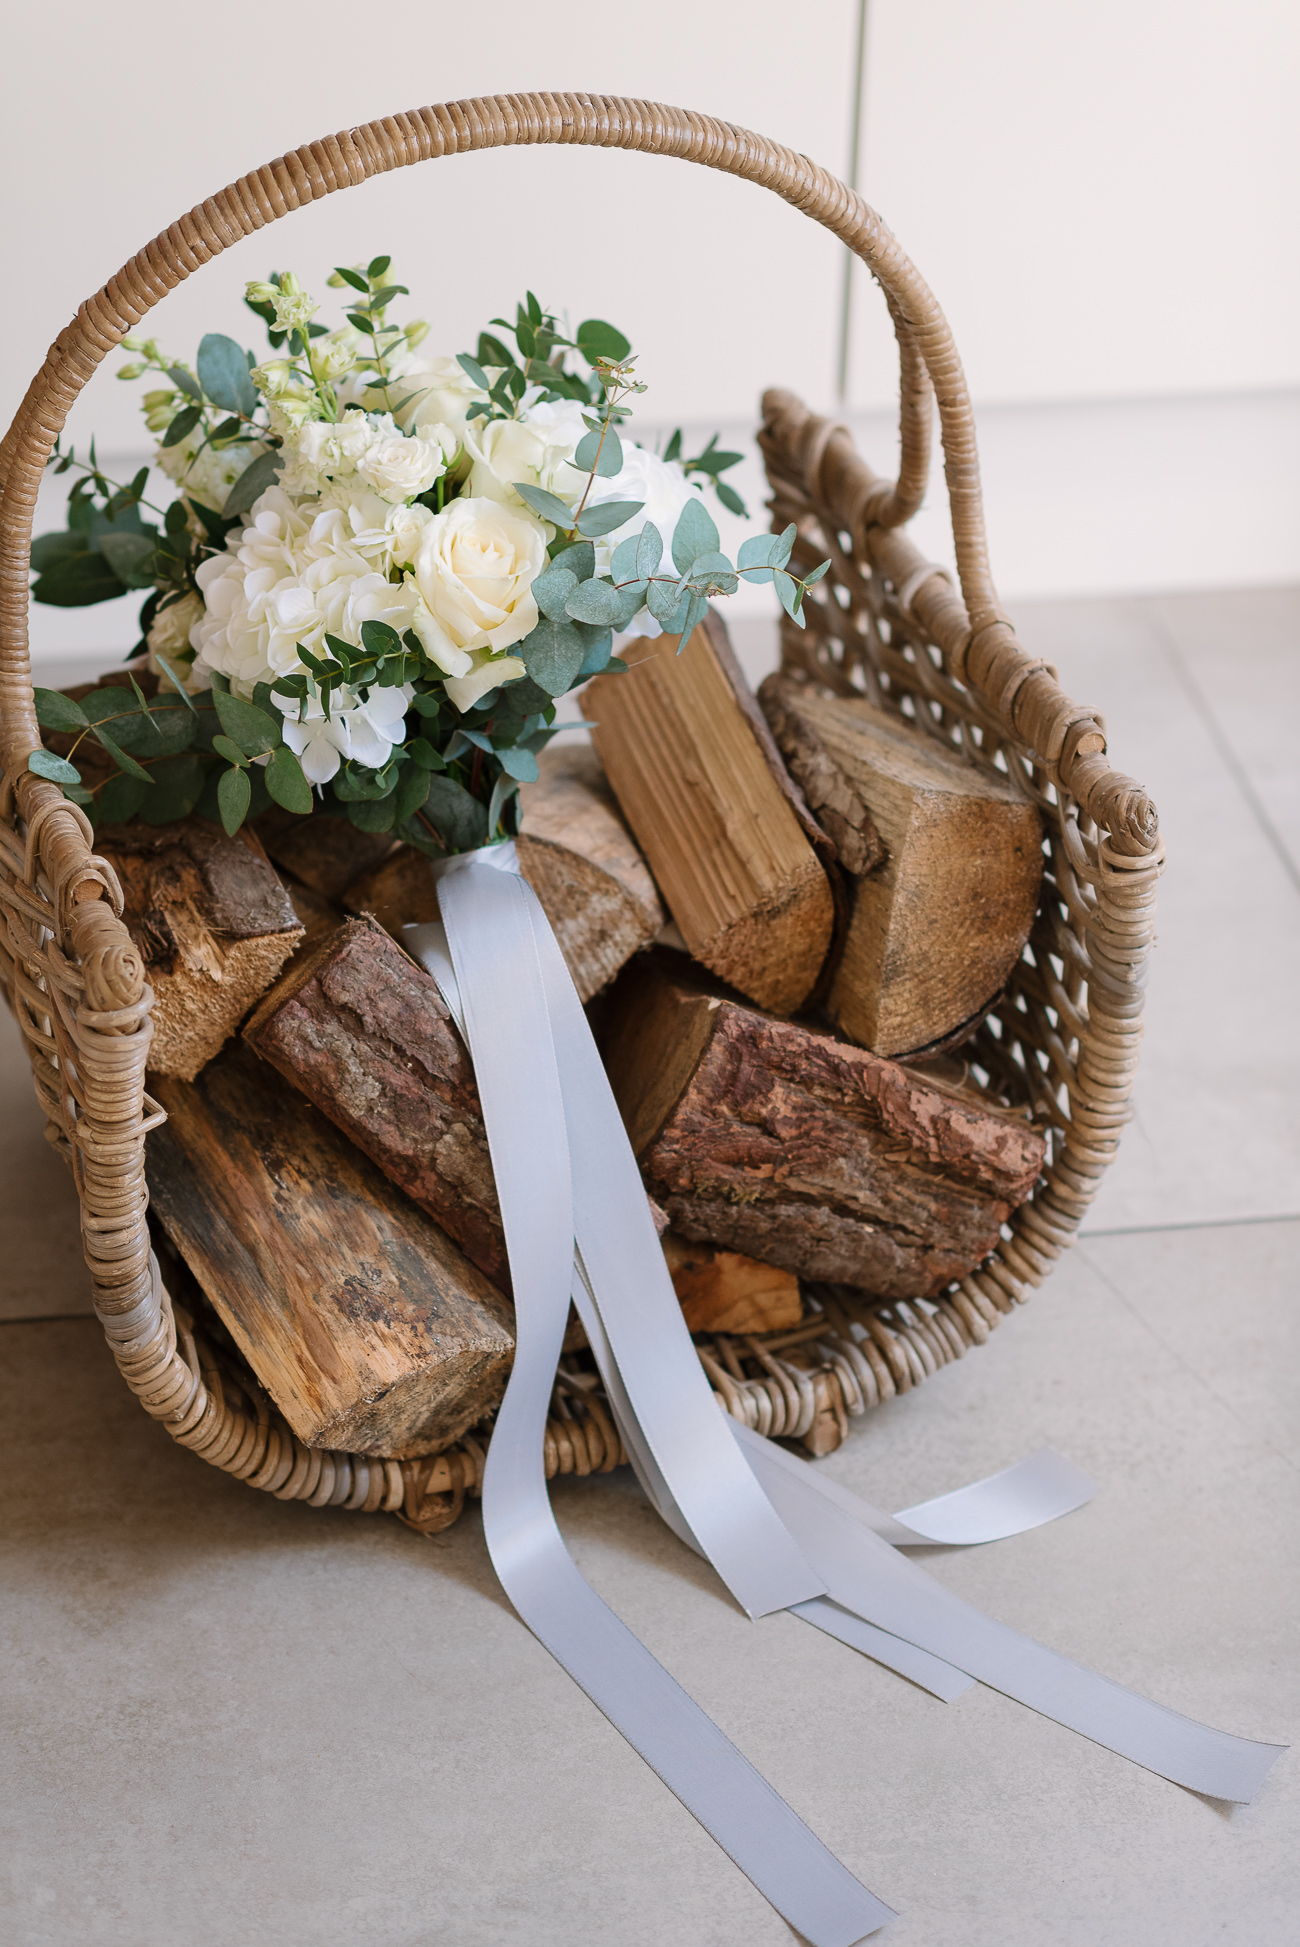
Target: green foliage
234,795
257,476
286,783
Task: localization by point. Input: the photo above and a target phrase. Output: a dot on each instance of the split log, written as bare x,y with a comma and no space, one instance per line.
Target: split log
326,852
722,827
946,862
369,1329
364,1033
214,926
760,1136
577,855
724,1291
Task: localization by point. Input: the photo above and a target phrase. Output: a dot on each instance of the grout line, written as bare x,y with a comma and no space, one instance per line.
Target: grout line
1205,711
1203,1223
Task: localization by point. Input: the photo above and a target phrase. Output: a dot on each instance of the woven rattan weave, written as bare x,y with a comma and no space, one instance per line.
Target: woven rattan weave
1063,1040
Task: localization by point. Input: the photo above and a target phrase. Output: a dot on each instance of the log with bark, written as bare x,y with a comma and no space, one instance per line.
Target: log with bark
726,834
761,1136
364,1033
576,853
325,852
946,864
213,923
725,1291
367,1326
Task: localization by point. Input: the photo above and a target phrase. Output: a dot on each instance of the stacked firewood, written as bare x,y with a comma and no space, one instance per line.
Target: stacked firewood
783,912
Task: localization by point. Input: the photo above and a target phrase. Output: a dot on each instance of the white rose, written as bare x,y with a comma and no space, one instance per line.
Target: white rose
443,393
399,468
465,691
474,572
536,448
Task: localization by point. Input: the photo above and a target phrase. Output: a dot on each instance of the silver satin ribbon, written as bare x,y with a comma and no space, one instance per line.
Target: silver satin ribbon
779,1533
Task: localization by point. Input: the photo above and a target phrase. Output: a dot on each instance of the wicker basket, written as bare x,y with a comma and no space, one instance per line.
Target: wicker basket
1063,1040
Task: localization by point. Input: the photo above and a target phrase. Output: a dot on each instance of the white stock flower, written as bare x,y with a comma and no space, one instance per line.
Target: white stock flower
206,473
360,727
487,674
335,355
289,576
536,448
474,571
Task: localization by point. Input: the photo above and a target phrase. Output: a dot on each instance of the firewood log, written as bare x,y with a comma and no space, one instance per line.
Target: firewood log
213,924
576,853
946,862
325,852
726,834
724,1291
760,1136
369,1329
363,1032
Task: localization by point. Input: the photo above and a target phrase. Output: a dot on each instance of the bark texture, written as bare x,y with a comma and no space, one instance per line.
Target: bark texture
763,1137
367,1326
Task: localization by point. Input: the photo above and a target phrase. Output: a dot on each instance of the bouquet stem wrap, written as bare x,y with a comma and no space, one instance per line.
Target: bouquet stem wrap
778,1533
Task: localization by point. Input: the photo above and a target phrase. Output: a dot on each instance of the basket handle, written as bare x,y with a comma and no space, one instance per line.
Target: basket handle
927,351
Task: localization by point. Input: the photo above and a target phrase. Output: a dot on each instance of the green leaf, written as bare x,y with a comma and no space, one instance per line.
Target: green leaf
596,602
228,429
663,601
119,800
254,480
713,574
578,560
459,819
623,567
502,791
606,515
131,557
120,757
552,589
54,711
550,507
730,499
520,765
790,596
383,298
254,730
45,764
76,581
183,424
673,450
380,640
601,454
182,380
491,352
48,550
692,612
473,370
354,278
421,752
412,790
553,654
377,266
596,339
596,657
177,786
286,783
223,374
816,574
231,752
234,795
695,534
649,551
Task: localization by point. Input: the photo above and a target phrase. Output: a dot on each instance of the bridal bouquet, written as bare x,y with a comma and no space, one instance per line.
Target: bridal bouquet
380,569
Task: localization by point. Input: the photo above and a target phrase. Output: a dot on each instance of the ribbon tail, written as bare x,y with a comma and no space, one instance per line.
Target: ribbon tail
869,1577
489,940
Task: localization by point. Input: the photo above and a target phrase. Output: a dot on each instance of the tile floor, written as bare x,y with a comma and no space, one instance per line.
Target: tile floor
243,1722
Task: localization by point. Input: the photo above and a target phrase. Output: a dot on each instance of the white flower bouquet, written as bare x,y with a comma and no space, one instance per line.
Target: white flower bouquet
380,568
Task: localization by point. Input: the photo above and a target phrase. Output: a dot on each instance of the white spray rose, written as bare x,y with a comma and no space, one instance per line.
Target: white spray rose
474,572
362,728
536,448
399,468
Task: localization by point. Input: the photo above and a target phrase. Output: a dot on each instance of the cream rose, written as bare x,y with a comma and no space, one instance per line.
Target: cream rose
399,468
536,448
436,392
465,691
474,573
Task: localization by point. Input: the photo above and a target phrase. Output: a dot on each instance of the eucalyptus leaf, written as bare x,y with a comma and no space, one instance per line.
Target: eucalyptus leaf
596,339
120,757
600,453
606,515
692,612
223,374
54,711
378,638
49,550
579,560
45,764
131,557
374,814
649,551
230,751
412,790
662,600
182,426
234,795
423,755
595,659
257,476
119,800
790,596
502,792
77,581
459,819
255,731
730,499
713,574
473,370
551,507
552,589
694,534
286,783
553,654
185,382
595,602
519,764
177,786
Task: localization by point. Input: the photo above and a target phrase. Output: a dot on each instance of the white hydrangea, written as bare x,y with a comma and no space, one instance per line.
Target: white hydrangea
289,576
362,726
